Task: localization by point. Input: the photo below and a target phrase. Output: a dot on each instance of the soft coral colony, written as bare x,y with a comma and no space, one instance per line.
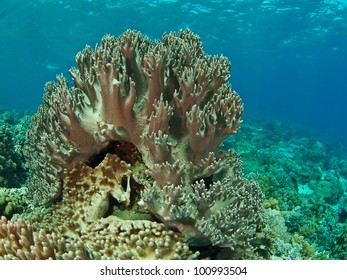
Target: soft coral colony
129,158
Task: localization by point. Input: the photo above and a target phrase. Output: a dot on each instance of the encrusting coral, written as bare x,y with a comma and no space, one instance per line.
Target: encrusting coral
154,113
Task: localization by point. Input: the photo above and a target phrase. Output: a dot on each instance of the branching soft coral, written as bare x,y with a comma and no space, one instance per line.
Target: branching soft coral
225,210
161,106
166,98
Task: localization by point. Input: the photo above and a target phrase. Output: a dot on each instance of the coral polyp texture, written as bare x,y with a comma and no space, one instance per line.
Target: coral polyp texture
18,241
145,120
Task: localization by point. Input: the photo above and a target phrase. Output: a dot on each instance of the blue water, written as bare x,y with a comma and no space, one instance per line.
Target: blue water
289,57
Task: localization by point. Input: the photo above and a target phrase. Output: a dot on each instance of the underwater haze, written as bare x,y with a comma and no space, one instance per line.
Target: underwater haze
289,57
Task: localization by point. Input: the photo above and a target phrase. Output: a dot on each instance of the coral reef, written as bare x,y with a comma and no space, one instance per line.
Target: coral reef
12,201
8,161
12,135
303,177
130,153
109,238
225,211
84,218
166,98
18,241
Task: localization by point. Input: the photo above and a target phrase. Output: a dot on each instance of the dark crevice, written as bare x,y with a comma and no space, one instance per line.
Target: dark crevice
342,216
207,180
112,203
124,183
206,252
124,150
94,161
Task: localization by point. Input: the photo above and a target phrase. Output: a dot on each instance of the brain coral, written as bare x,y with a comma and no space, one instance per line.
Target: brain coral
154,113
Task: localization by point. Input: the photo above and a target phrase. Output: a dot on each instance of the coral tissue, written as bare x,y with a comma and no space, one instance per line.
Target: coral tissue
159,111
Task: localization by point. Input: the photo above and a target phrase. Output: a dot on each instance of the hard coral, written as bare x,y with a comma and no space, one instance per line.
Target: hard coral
12,136
8,158
163,108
